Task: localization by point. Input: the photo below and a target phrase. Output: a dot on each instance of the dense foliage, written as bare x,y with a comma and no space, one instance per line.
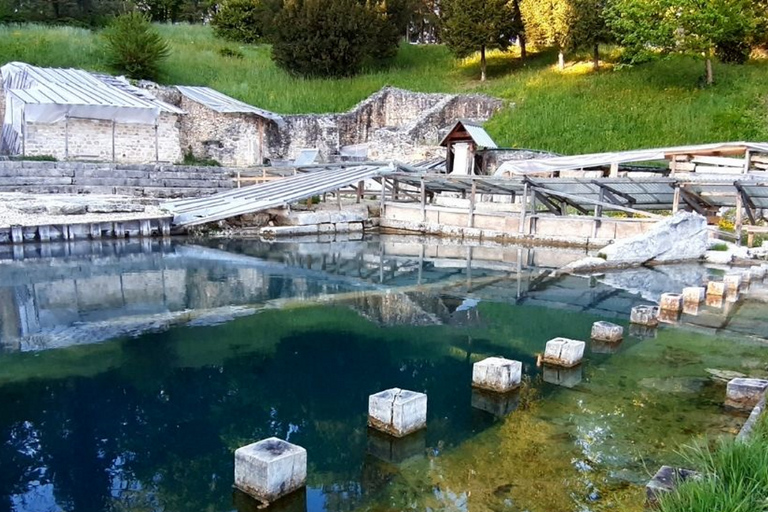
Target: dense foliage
245,21
331,38
479,25
97,13
134,46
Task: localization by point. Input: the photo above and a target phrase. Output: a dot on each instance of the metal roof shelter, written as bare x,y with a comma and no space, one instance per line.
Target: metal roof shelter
225,104
468,131
576,162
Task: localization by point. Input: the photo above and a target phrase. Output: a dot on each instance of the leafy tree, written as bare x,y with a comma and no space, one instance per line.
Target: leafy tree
588,28
330,38
134,46
691,26
479,25
245,21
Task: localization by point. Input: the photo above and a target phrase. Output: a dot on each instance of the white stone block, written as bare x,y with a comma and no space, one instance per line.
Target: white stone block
732,282
743,393
715,288
270,469
497,374
564,352
757,272
606,331
694,294
671,302
397,412
644,315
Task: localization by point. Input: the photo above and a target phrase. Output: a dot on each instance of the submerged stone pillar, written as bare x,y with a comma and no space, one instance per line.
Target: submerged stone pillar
270,469
694,295
645,315
715,289
497,374
732,283
397,412
671,302
564,352
606,331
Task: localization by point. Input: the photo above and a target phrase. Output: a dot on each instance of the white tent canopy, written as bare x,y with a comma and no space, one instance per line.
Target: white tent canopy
576,162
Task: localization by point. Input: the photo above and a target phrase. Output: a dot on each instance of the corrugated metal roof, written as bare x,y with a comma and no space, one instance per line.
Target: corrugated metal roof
563,163
476,131
225,104
55,86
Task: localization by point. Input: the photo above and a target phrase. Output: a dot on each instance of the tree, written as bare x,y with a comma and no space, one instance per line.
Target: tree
479,25
588,28
245,21
134,46
689,26
551,23
328,38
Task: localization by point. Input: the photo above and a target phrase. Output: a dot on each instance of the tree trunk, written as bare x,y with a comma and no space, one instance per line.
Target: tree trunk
523,50
710,75
560,60
596,57
482,63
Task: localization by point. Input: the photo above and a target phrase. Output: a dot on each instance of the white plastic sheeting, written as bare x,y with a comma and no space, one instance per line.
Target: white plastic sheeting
51,95
567,163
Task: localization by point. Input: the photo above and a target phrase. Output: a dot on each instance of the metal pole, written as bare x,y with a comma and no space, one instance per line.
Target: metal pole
471,219
523,207
423,200
157,142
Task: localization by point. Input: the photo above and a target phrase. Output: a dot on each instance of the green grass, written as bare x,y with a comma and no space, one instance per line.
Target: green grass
655,104
735,476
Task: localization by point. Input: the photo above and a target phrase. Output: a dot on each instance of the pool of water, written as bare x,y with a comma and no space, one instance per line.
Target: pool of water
131,372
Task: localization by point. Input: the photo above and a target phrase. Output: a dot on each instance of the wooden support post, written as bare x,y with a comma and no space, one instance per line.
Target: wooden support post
238,178
17,234
114,151
396,190
739,217
523,208
423,200
360,190
598,213
382,195
676,199
673,165
614,173
472,196
157,142
66,138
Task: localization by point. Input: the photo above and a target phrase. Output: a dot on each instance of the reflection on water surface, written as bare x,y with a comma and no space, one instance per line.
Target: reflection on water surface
131,372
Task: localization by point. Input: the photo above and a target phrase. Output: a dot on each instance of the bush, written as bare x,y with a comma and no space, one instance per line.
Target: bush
733,52
245,21
134,47
234,53
329,38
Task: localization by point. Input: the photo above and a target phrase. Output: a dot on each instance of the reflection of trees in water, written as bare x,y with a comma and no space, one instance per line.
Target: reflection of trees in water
153,429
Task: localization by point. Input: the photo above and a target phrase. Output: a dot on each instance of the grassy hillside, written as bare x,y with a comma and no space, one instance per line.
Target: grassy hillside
655,104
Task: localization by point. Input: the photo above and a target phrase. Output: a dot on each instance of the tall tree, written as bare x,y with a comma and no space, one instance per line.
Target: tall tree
470,26
688,26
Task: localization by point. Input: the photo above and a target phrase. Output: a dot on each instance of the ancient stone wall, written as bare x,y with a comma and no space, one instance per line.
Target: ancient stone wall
231,139
91,139
395,123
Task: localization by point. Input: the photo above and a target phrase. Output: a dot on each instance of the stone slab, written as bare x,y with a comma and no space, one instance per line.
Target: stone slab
270,469
745,393
716,288
644,315
666,480
497,374
671,302
694,294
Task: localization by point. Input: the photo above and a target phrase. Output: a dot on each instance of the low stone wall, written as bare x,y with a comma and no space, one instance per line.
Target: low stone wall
138,180
499,225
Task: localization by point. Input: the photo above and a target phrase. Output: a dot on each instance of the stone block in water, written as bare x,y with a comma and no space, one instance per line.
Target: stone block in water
744,393
732,297
396,449
669,316
714,301
497,374
564,352
644,315
397,412
671,302
605,347
691,308
666,480
642,332
498,404
565,377
606,331
270,469
716,289
694,294
732,282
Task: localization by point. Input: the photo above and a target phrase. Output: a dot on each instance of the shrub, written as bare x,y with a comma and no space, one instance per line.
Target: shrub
226,51
733,52
191,159
245,21
134,47
719,247
329,38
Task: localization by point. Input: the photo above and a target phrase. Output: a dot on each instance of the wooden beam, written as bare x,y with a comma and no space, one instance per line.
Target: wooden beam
676,200
472,195
523,207
423,200
739,217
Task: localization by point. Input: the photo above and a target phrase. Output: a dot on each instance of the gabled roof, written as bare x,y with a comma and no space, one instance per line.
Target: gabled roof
464,130
225,104
56,86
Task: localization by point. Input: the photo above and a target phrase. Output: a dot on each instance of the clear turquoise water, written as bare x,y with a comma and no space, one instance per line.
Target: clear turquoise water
130,376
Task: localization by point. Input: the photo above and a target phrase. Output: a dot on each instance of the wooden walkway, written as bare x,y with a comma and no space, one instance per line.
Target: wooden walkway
255,198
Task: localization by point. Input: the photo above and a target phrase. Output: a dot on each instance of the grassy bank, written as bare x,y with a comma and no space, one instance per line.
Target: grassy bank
735,477
655,104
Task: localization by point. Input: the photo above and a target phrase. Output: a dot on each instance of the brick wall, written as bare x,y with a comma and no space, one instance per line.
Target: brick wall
90,139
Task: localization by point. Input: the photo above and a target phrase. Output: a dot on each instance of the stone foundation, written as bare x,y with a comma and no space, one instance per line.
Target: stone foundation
270,469
397,412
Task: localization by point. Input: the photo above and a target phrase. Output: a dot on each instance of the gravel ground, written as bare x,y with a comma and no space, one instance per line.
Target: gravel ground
34,210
